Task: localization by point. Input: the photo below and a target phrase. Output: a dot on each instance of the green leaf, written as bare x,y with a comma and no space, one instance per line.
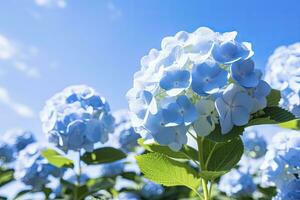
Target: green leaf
57,159
217,136
273,98
103,155
279,114
293,124
6,176
186,152
166,171
220,157
211,175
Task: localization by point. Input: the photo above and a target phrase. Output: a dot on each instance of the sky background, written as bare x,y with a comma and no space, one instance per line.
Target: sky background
47,45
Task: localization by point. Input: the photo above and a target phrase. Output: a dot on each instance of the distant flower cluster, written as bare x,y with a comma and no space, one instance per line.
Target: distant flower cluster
77,118
34,170
281,166
124,135
283,73
255,146
12,142
237,184
195,81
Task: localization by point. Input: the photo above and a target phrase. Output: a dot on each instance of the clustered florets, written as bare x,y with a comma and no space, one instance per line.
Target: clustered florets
194,82
77,118
283,73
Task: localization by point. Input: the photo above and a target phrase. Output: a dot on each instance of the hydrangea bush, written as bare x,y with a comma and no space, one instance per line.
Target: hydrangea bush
204,84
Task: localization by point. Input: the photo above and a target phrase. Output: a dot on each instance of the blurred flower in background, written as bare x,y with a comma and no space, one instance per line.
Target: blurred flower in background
283,73
77,118
34,170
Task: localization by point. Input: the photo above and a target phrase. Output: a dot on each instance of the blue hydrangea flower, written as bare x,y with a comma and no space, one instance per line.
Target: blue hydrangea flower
152,190
290,192
190,68
237,184
255,146
111,169
234,107
283,73
259,94
128,196
19,138
175,81
244,73
282,162
34,170
7,152
77,118
231,51
208,78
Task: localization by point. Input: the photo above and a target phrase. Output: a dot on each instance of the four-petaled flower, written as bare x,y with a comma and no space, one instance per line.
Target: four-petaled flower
175,81
244,73
234,107
208,78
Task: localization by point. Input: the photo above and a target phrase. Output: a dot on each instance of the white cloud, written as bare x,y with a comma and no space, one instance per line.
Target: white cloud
114,11
18,57
19,108
51,3
7,49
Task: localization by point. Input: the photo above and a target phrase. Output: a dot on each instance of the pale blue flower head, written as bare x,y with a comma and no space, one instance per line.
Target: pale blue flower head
111,169
208,77
255,146
19,138
190,68
231,51
34,170
283,73
245,74
282,162
234,107
7,152
175,81
77,118
291,191
237,184
151,190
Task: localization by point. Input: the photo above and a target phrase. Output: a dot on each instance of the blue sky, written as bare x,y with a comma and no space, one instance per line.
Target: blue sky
46,45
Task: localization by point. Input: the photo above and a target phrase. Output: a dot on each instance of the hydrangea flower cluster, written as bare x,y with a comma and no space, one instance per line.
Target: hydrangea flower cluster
290,192
151,190
255,146
124,134
19,138
237,184
282,162
77,118
195,81
283,73
34,170
12,142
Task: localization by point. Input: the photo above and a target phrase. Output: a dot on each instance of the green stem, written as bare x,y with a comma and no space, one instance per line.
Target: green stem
200,141
210,188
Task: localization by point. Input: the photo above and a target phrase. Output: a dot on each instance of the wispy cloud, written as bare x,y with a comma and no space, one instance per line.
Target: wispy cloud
19,108
18,56
51,3
114,11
